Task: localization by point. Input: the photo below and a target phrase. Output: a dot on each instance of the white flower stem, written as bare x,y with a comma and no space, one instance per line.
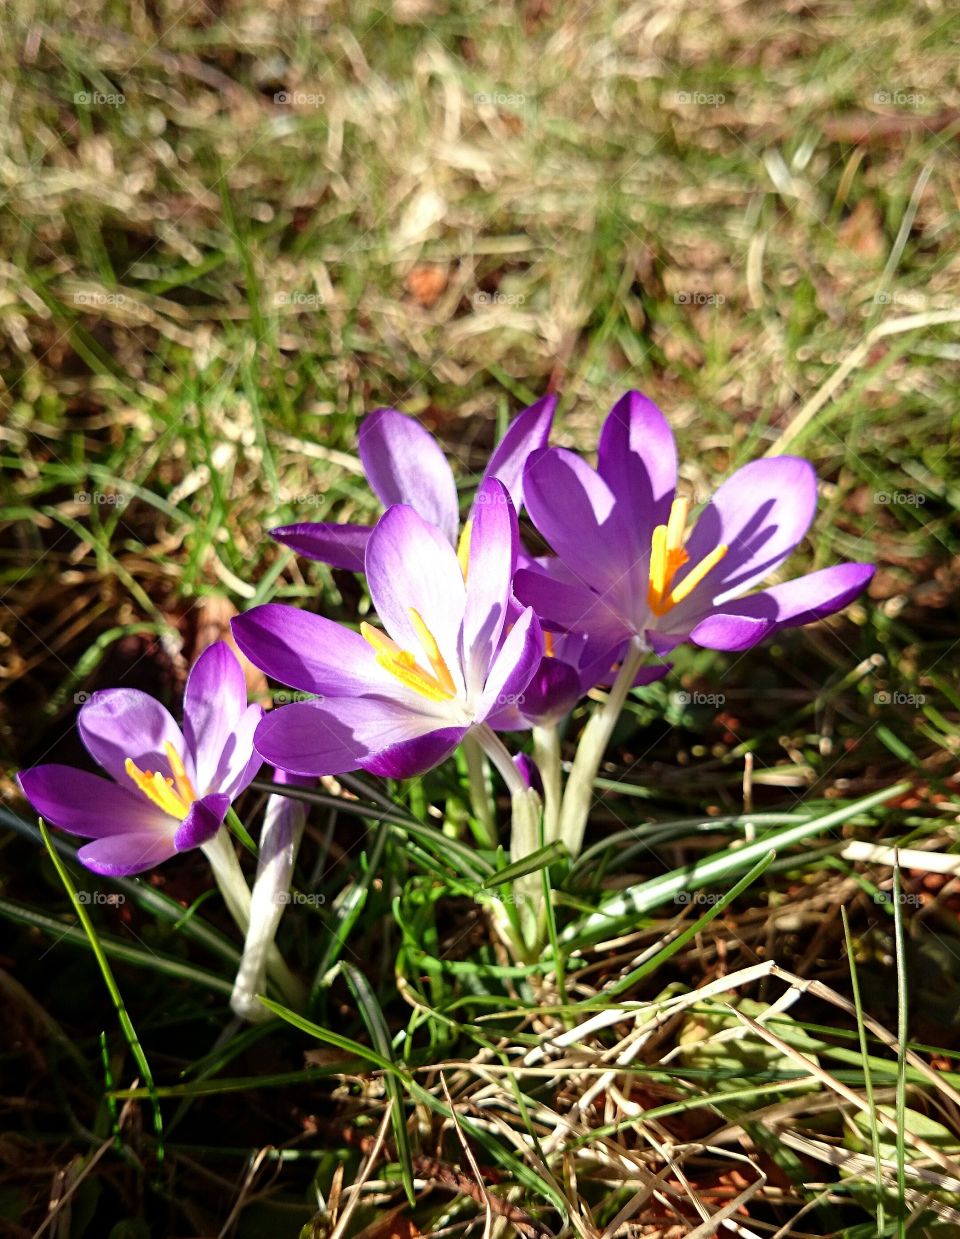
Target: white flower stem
546,754
578,794
496,750
236,895
481,800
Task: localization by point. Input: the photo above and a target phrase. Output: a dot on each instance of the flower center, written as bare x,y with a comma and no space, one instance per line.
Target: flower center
438,686
667,557
173,796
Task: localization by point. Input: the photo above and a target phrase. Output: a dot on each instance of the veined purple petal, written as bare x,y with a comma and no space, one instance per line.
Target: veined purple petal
307,651
405,464
513,667
493,555
528,431
119,856
416,756
117,723
743,622
214,700
552,691
760,513
239,762
336,735
202,822
637,458
576,511
340,546
572,607
410,565
86,804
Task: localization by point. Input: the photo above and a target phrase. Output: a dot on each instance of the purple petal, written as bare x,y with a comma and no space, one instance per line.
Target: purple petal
493,554
340,546
331,737
528,771
513,667
240,762
528,431
410,565
214,701
745,621
417,756
405,464
202,822
760,513
119,856
86,804
572,607
117,723
637,458
307,651
553,691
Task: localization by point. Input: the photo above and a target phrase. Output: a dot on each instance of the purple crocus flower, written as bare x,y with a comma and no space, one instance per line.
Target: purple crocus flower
405,464
397,702
625,568
169,790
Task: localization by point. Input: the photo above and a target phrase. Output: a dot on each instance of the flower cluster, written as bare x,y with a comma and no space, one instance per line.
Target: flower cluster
470,635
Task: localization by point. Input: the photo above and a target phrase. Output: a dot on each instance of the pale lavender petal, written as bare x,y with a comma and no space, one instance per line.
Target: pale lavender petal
576,512
637,458
239,762
760,513
214,700
405,464
119,856
742,623
410,565
416,756
527,432
117,723
337,735
340,546
493,555
86,804
513,667
202,822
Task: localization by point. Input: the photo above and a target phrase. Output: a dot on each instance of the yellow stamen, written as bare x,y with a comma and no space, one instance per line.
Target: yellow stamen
463,548
668,556
158,789
432,651
548,644
180,777
402,664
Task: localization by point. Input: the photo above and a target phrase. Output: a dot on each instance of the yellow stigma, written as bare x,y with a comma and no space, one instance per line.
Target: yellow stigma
463,547
173,796
667,557
401,663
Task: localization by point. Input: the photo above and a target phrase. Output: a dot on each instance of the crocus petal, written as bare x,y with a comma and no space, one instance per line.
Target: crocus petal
528,431
413,757
637,458
340,546
745,621
760,514
86,804
552,691
410,565
214,699
493,555
529,772
405,464
239,762
307,652
119,856
335,736
513,667
571,606
202,822
576,511
117,723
